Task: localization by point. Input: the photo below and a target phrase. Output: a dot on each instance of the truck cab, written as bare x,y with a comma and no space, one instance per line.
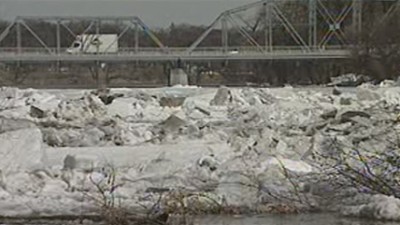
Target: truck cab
75,47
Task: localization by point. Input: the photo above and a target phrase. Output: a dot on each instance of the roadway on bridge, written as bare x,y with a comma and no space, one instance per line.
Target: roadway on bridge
172,54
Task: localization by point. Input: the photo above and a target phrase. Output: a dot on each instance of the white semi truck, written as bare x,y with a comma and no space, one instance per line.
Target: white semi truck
94,43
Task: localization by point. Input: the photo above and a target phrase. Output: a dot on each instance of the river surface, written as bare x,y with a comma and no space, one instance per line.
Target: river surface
304,219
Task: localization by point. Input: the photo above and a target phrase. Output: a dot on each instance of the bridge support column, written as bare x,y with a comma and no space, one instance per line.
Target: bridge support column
19,73
178,77
312,10
267,26
99,72
19,38
357,15
58,40
136,37
225,38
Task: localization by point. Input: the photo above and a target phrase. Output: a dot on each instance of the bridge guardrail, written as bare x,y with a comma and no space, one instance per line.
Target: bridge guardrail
173,50
149,54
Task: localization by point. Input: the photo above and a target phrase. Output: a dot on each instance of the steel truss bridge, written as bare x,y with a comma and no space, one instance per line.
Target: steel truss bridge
320,32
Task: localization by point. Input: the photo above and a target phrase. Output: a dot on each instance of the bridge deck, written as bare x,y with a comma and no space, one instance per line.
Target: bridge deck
151,54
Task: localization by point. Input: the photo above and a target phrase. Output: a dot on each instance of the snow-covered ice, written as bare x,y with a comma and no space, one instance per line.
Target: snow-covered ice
236,143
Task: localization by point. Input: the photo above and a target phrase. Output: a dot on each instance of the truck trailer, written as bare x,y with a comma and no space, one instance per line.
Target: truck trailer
94,44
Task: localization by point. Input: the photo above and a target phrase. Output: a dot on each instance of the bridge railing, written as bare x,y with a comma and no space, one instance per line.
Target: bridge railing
177,51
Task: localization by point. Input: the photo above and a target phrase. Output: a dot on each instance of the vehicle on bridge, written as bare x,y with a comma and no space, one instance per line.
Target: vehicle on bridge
94,44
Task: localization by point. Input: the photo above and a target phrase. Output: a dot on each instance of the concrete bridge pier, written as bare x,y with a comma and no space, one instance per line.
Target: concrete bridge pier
178,76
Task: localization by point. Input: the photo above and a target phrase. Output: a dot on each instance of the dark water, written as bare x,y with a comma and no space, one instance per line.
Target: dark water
305,219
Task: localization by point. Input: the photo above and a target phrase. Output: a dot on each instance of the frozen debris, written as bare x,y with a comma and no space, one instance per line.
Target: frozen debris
257,96
9,93
298,167
69,163
380,207
336,91
69,137
121,107
366,94
349,80
7,125
105,96
172,124
247,128
345,101
237,188
172,101
143,96
81,163
87,107
387,83
329,114
21,150
222,97
8,101
205,112
348,115
36,112
8,97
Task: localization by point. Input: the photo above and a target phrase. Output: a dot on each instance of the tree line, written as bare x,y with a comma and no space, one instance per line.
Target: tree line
376,50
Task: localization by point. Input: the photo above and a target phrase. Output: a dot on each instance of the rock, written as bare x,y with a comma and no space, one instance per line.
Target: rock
348,115
221,97
21,150
172,101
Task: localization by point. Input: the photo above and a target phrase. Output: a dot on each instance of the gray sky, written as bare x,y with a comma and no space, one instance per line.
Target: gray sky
155,13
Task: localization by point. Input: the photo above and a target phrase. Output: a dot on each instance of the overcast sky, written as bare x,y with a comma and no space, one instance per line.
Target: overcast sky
155,13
